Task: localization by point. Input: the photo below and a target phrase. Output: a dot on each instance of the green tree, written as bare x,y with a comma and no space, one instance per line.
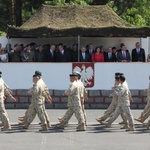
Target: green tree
133,11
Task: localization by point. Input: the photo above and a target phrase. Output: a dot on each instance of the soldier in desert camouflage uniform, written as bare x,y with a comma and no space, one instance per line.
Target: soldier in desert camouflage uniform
122,92
38,97
83,96
146,112
74,105
48,97
3,114
113,104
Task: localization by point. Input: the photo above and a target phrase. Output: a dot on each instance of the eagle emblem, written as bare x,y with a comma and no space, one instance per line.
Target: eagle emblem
87,74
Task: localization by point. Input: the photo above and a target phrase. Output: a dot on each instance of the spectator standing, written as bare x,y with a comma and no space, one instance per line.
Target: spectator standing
3,55
39,54
114,50
84,57
74,53
15,54
8,48
62,55
109,56
90,50
27,55
123,55
138,53
50,54
97,56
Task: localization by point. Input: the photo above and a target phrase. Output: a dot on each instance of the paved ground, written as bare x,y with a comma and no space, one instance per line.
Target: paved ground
97,137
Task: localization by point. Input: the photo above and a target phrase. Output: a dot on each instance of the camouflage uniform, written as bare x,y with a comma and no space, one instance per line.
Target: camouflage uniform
123,105
112,107
31,106
83,94
74,104
3,113
146,112
38,96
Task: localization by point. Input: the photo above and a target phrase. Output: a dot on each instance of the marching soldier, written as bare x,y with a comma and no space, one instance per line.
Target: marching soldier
74,105
3,114
48,97
83,95
114,103
123,105
146,112
38,97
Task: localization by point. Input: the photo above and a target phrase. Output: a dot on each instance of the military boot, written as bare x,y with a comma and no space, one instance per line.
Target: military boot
44,127
48,124
21,118
61,125
6,128
100,120
125,126
23,122
140,119
26,125
131,128
107,124
81,127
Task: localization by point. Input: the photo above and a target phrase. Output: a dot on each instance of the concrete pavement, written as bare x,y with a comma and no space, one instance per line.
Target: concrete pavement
97,137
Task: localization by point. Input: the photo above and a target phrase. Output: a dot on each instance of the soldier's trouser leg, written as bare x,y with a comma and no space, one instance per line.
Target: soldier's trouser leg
46,115
4,115
146,114
110,110
123,117
146,108
84,113
128,115
29,110
31,115
79,114
41,114
115,115
68,115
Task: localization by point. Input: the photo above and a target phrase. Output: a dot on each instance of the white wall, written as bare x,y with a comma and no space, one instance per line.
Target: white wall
56,75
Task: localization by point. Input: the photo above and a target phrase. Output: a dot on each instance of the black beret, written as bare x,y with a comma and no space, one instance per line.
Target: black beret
38,73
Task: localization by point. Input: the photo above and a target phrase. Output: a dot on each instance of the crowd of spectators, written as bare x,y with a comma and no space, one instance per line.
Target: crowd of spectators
61,53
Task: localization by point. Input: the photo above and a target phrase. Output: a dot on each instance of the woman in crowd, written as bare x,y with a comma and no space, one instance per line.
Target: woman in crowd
97,56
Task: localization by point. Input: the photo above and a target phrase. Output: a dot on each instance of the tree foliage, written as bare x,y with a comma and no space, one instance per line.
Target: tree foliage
16,12
133,11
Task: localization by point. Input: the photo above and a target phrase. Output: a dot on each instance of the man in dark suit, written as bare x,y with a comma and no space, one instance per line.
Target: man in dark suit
62,55
84,57
90,50
50,54
138,53
109,56
123,55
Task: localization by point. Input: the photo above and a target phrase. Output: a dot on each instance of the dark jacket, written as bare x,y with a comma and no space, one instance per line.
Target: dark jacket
63,58
111,59
138,57
87,57
49,57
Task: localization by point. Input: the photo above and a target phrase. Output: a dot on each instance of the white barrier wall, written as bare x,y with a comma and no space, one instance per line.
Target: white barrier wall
56,75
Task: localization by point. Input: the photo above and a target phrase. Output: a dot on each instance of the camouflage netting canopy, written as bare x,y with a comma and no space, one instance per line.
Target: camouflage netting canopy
86,21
